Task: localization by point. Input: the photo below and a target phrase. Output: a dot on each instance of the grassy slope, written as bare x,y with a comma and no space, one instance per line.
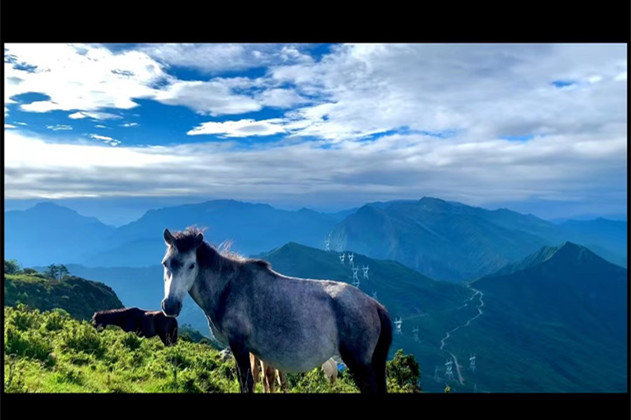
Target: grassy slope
79,297
53,352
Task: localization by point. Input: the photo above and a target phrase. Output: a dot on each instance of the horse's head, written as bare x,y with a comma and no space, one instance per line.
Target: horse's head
180,269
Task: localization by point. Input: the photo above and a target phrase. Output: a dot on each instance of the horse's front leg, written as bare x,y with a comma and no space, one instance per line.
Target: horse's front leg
242,358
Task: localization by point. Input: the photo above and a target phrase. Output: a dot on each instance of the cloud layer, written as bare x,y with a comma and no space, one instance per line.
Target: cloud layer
477,123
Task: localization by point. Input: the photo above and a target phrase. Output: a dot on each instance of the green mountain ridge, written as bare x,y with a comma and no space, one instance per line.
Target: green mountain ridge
456,242
77,296
556,322
427,308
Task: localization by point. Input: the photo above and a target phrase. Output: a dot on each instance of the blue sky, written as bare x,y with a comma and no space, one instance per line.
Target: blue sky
540,128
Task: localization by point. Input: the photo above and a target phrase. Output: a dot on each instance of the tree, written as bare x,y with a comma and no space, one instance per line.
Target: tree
11,267
405,371
52,271
62,271
30,271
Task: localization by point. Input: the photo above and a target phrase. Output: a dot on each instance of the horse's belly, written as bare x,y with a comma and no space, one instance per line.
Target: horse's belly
289,353
299,363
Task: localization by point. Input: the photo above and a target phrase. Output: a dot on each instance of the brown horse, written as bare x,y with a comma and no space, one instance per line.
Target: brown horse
143,323
270,375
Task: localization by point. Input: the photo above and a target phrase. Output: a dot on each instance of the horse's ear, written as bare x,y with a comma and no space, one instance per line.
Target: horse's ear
199,239
168,238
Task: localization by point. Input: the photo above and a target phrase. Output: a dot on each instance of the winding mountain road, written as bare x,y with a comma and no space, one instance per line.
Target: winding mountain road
466,324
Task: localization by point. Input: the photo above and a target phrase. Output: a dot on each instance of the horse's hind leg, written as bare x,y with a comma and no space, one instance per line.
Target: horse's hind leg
363,374
242,358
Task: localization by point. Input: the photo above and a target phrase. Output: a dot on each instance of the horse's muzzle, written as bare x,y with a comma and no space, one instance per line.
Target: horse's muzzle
171,307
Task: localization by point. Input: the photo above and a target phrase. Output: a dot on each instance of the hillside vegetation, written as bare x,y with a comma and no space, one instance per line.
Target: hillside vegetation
53,352
79,297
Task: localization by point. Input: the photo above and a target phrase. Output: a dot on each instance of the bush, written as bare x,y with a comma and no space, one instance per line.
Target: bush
403,372
23,318
28,344
55,320
11,267
84,338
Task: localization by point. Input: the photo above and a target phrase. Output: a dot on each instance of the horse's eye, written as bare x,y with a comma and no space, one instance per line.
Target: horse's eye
190,267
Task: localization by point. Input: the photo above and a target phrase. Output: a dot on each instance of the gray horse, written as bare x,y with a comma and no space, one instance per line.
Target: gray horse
291,323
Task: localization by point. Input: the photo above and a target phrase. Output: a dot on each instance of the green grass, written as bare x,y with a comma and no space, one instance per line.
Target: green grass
79,297
51,352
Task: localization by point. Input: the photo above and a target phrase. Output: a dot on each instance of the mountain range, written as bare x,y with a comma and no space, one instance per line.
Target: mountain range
440,239
455,242
555,322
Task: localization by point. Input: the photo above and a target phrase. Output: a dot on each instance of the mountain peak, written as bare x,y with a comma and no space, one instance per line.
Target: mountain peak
569,254
431,200
49,205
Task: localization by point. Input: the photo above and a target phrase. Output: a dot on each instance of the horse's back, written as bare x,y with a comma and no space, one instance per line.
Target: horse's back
307,320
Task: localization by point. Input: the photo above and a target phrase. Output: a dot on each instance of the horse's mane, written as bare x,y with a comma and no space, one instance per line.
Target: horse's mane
209,255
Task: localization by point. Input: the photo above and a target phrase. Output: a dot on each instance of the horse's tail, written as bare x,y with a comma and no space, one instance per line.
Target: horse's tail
380,355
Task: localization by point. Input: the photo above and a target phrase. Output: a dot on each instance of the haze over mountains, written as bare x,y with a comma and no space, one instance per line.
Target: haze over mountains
443,240
539,309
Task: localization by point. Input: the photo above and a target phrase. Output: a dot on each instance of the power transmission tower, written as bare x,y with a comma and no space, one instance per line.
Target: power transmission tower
472,363
355,277
449,374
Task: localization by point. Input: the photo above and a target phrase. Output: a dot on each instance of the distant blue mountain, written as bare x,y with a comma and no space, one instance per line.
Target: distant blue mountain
441,239
48,233
608,238
250,228
455,242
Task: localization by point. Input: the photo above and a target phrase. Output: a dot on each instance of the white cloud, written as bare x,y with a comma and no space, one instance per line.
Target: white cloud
241,128
213,97
94,115
9,125
132,124
100,126
213,58
280,98
584,169
105,139
82,77
486,91
59,127
479,93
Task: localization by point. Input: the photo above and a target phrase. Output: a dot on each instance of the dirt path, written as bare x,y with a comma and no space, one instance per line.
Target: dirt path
466,324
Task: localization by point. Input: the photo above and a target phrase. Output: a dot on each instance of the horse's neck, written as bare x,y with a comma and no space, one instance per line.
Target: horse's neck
209,286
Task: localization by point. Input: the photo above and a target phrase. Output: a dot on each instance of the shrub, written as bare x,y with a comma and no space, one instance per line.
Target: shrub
84,338
55,320
132,341
403,372
27,344
23,318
